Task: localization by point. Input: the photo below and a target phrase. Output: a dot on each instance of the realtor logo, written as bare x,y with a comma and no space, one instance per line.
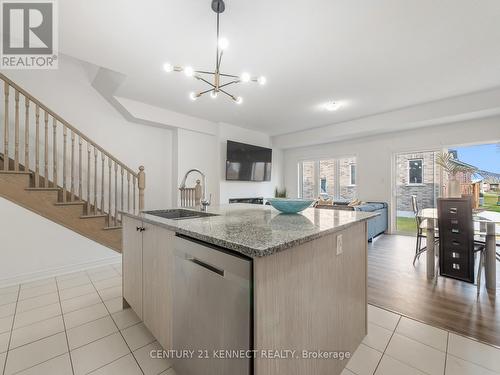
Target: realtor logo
29,34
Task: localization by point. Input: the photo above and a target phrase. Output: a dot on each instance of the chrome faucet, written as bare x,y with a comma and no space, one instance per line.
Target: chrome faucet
204,201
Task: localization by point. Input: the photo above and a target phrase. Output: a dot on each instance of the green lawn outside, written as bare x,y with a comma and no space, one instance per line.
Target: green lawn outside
406,224
490,202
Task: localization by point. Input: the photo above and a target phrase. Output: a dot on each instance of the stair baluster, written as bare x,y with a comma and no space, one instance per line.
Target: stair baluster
16,132
80,191
122,192
72,168
6,129
133,186
116,195
95,181
88,179
65,158
54,152
102,182
109,192
46,151
128,191
27,134
37,146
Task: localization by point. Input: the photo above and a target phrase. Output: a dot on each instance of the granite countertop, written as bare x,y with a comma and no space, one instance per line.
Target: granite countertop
257,231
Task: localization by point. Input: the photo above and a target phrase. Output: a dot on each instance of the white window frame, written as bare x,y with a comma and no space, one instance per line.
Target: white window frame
350,174
408,172
300,181
317,185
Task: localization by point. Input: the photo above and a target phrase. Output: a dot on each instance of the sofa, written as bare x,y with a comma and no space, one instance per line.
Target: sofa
376,225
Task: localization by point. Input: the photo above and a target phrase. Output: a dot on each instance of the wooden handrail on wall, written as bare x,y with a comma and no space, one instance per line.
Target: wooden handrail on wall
81,177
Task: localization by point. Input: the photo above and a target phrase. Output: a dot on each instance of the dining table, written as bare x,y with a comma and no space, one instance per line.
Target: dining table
485,224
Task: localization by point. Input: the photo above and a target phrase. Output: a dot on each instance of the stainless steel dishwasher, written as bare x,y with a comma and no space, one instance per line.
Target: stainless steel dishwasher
212,309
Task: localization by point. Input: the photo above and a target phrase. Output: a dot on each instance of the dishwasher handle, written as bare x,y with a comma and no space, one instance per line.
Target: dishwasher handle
207,266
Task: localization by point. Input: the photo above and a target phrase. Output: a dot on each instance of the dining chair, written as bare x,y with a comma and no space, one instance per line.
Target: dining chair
457,246
421,229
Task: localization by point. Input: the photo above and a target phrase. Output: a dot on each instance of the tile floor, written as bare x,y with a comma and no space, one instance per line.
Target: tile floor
75,324
396,345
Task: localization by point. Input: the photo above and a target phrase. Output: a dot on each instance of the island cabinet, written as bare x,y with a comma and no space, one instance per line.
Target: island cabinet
148,276
311,299
132,263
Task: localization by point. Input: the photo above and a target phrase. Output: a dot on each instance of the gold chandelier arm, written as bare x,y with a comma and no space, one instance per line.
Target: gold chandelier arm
229,83
228,94
204,72
228,75
204,92
204,80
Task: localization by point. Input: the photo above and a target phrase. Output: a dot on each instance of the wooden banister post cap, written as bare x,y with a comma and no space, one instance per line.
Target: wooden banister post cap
141,178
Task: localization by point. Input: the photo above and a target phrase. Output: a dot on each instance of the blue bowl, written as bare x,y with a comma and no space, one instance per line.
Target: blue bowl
290,206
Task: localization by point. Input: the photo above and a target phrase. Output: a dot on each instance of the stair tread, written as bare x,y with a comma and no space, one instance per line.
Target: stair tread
75,203
112,228
93,216
14,172
42,189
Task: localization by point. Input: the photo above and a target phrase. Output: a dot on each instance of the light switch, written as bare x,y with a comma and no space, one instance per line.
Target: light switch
339,244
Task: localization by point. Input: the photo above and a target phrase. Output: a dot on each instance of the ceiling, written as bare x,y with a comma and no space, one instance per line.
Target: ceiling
374,56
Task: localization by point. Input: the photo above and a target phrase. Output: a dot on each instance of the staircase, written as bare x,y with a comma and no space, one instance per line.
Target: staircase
52,169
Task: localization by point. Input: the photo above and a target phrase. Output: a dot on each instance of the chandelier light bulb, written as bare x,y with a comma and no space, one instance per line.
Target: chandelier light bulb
262,80
223,43
193,96
239,100
245,77
168,67
213,94
188,71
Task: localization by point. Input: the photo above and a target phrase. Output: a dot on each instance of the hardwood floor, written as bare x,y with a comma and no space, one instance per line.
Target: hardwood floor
394,284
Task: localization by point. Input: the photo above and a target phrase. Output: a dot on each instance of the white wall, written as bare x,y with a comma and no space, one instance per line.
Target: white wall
69,93
208,153
33,247
198,150
375,154
240,189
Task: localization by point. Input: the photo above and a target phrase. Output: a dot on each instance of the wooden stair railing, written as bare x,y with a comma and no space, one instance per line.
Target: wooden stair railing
97,180
191,197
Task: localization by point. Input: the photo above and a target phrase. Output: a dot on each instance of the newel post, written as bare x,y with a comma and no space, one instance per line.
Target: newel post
141,184
197,193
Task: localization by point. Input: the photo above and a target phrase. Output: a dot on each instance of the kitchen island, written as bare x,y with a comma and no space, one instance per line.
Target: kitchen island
248,290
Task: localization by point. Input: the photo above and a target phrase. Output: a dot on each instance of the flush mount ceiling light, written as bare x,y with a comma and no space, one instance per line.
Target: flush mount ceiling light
215,79
332,106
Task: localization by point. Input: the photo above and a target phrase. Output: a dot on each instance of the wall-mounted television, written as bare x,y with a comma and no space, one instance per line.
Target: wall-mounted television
247,162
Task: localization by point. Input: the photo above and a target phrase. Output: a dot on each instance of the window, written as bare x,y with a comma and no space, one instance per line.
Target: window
332,178
415,171
327,180
322,186
308,180
353,174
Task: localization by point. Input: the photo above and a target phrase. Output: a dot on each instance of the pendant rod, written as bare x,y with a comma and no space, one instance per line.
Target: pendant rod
217,53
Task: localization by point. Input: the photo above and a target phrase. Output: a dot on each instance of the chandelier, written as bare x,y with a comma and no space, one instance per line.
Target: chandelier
217,81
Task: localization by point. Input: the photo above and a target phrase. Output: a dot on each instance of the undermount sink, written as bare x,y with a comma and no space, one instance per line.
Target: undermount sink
179,214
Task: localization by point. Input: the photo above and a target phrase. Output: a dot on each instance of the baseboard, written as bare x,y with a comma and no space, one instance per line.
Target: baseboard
40,275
